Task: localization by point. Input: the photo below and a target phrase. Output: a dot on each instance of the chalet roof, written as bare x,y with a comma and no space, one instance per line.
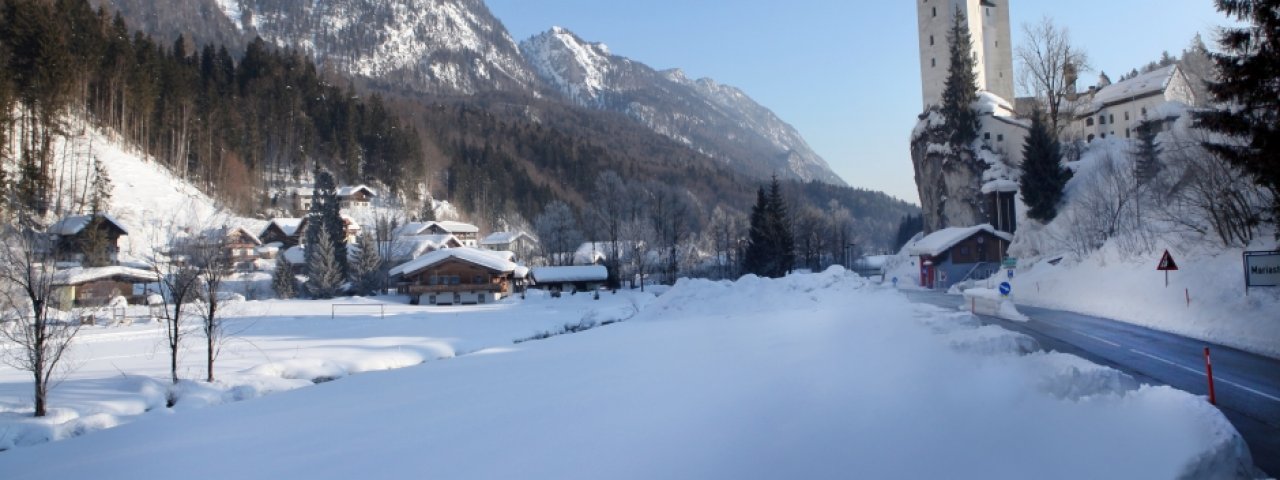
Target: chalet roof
287,225
940,241
1144,85
475,256
414,246
503,238
348,191
80,276
590,273
74,224
457,227
232,231
411,229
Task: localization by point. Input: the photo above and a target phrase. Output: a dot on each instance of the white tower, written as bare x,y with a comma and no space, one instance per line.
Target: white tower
988,24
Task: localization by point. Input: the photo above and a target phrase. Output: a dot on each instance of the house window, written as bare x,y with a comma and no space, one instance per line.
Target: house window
986,136
1088,122
1126,133
1000,138
1104,135
1144,111
478,280
1102,119
1112,119
1090,138
1126,115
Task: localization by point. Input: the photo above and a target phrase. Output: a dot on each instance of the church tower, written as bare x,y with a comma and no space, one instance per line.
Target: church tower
992,45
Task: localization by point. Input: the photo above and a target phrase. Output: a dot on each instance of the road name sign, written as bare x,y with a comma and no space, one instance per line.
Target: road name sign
1261,269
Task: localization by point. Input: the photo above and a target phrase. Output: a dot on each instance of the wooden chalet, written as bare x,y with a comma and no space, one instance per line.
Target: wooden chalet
358,196
285,231
75,235
455,276
95,287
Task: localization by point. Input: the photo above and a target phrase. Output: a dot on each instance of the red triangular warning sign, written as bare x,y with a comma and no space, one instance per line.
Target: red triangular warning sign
1166,263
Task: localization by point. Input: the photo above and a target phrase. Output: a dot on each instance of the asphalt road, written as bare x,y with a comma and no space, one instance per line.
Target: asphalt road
1247,385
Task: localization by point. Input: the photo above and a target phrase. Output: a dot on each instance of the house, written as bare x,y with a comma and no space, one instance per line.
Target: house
569,279
523,244
78,237
285,231
1116,110
410,247
349,224
466,233
241,248
358,196
455,276
95,287
955,254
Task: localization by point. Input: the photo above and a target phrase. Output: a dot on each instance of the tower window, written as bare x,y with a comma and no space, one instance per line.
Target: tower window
1126,116
1088,122
935,11
933,62
1112,118
1102,119
930,40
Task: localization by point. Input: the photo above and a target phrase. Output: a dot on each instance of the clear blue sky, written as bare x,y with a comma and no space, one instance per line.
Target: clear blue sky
845,73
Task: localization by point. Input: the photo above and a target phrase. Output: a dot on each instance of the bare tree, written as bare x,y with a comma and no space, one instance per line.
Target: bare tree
27,290
1050,65
727,232
609,212
1202,193
558,233
639,234
180,283
209,258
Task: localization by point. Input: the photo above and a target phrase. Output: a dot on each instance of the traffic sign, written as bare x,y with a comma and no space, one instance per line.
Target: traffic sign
1166,263
1005,288
1009,262
1010,274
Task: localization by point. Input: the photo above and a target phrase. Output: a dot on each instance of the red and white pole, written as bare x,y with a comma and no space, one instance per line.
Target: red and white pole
1208,365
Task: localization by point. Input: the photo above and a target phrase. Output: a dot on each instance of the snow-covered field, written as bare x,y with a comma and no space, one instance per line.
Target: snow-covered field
813,376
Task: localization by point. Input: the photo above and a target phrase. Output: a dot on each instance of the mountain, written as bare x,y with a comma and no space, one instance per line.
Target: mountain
718,120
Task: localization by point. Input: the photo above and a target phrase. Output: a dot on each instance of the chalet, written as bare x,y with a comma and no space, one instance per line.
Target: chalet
349,224
455,276
569,279
95,287
523,244
241,248
77,238
358,196
285,231
410,247
952,255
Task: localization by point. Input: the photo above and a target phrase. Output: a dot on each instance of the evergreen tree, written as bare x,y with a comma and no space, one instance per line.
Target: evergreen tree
1249,85
428,210
95,243
324,274
100,198
1043,175
961,88
909,227
770,245
366,272
324,221
1146,154
283,281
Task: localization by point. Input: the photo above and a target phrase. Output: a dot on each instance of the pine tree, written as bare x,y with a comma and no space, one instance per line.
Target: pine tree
770,245
325,216
283,281
1146,155
366,272
95,243
1043,175
1249,86
428,210
961,88
324,274
101,196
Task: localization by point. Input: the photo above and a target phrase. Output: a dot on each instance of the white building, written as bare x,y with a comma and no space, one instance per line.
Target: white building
993,48
1116,110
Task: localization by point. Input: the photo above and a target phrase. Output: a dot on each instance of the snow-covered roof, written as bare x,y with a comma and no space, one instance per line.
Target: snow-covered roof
244,231
475,256
78,276
457,227
287,225
521,271
942,240
588,273
74,224
1150,83
411,229
503,238
990,103
352,190
414,246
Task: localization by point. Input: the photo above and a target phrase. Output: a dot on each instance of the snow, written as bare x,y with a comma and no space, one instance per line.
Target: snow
502,238
77,276
457,227
413,246
1145,84
348,191
590,273
482,258
812,376
287,225
73,224
942,240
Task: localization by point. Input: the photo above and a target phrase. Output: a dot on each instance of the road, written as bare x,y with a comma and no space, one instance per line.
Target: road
1247,385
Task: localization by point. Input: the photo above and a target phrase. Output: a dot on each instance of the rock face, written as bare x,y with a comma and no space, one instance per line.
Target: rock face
950,180
716,119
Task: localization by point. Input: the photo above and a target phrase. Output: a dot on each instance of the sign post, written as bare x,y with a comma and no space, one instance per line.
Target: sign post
1167,265
1261,269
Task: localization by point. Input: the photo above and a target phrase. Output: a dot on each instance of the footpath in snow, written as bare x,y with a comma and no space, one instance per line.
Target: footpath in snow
813,376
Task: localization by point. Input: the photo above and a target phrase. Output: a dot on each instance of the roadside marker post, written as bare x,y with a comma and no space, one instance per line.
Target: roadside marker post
1208,366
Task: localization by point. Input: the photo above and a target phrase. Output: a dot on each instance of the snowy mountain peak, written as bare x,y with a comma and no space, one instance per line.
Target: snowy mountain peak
577,68
719,120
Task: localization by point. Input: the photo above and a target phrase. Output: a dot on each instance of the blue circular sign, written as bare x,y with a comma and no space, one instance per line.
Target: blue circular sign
1005,288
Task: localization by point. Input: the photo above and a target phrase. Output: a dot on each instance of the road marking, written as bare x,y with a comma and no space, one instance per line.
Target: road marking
1202,374
1103,340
